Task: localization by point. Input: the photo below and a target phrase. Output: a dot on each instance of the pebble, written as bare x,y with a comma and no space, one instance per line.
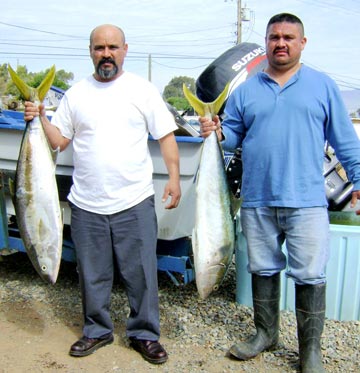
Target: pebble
215,323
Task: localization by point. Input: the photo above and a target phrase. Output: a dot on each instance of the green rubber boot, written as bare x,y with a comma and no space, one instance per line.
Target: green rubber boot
310,315
266,297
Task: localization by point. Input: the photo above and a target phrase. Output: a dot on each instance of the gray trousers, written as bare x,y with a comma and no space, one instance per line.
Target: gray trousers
125,241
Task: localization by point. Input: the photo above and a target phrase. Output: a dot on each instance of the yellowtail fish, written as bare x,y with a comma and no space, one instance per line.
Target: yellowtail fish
35,193
213,237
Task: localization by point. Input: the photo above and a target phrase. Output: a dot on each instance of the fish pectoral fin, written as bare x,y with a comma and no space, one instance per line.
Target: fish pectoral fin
54,153
62,216
12,190
11,186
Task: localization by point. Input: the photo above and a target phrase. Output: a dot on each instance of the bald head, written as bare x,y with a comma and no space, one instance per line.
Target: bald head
107,50
105,29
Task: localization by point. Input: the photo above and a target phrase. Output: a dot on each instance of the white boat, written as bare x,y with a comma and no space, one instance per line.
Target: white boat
174,226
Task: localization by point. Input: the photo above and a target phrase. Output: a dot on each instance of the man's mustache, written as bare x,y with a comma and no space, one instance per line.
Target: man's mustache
106,60
281,50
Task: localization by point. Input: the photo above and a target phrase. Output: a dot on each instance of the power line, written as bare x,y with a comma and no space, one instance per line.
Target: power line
178,67
38,30
157,55
327,5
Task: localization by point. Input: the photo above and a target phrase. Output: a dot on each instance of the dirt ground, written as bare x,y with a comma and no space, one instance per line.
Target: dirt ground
36,332
39,322
28,344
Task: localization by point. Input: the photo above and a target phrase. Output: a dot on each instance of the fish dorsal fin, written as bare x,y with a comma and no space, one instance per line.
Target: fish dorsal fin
29,93
209,109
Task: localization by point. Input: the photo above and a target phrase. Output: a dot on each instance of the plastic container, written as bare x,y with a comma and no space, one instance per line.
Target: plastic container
343,275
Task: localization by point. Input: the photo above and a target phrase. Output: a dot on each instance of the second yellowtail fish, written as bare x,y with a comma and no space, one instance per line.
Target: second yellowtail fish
213,237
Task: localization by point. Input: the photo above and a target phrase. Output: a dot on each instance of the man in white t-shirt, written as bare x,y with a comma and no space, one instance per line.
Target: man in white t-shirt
108,117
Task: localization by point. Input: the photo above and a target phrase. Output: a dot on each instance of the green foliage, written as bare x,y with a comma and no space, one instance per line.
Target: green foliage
173,92
61,79
179,103
175,86
4,77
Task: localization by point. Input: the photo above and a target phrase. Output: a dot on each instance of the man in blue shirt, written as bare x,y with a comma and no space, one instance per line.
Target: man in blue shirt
281,118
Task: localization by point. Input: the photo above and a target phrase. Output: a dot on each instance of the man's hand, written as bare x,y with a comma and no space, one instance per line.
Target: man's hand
207,126
32,110
354,199
172,189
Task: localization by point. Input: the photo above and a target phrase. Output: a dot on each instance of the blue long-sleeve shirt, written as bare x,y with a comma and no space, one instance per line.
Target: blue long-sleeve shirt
282,132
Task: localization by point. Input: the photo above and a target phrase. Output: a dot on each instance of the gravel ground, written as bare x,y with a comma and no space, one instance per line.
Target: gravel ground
197,334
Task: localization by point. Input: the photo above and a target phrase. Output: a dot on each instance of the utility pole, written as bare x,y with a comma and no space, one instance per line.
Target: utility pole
242,15
239,22
149,68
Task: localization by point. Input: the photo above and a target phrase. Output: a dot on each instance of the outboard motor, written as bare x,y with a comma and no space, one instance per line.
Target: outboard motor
235,66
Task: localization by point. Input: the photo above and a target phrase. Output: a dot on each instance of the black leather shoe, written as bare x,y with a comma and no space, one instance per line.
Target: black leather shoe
86,346
152,351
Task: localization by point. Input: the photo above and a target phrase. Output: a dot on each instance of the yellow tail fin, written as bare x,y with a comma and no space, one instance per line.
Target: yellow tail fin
29,93
209,109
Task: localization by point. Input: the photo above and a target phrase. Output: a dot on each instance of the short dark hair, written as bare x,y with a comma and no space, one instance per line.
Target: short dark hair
285,17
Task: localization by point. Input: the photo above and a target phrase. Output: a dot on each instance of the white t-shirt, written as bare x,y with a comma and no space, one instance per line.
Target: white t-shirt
109,124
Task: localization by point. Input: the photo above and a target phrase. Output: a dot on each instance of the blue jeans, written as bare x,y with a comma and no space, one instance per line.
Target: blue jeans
306,231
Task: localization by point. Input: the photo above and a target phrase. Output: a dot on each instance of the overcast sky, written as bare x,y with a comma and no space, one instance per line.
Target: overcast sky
183,37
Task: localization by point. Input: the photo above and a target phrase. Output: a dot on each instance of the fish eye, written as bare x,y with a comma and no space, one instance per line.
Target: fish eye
43,268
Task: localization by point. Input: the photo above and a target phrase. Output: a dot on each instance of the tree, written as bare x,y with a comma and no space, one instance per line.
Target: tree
61,79
174,95
4,77
9,87
179,103
175,86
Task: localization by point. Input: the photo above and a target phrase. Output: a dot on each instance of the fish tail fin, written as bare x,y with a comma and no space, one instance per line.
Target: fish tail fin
45,85
219,101
198,105
206,108
29,93
26,91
